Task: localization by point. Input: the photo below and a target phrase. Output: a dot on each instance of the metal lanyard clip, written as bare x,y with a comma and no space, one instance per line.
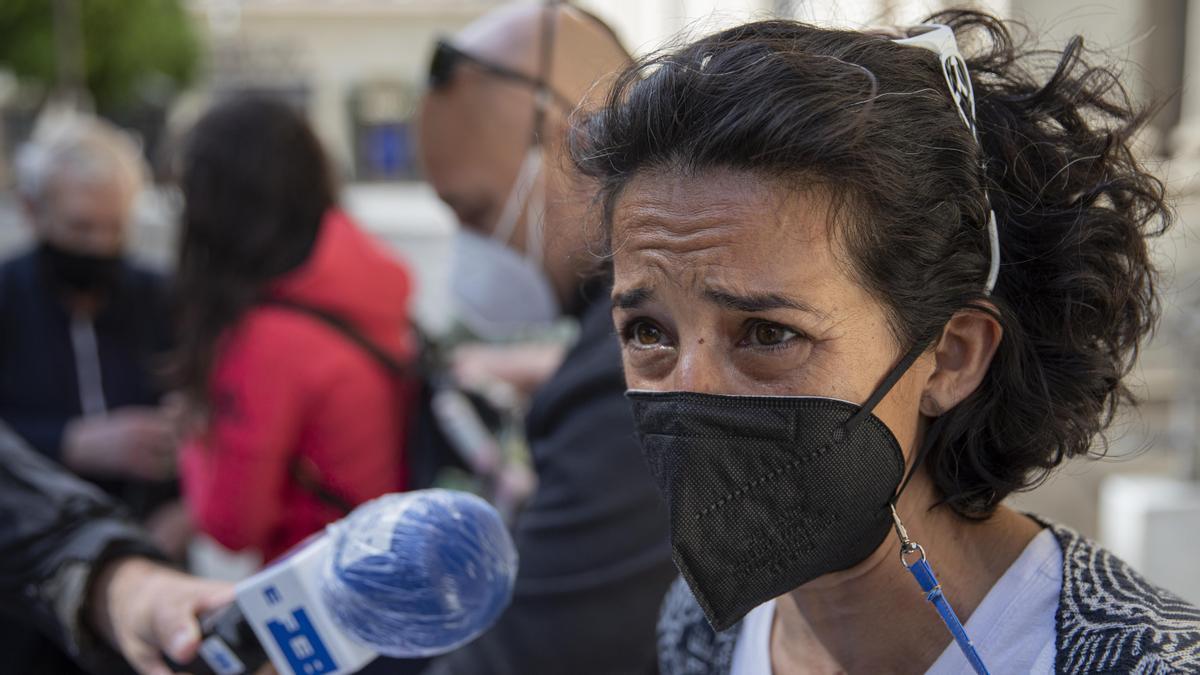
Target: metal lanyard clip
923,573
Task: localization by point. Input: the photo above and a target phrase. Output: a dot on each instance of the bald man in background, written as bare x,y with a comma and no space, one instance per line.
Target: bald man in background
594,552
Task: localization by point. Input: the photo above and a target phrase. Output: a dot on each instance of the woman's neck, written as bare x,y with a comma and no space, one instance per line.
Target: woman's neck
872,618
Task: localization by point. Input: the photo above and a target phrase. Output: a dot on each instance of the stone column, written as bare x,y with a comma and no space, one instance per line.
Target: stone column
1185,140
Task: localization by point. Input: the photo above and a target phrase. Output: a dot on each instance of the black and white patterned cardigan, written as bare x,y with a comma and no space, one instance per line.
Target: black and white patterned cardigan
1109,620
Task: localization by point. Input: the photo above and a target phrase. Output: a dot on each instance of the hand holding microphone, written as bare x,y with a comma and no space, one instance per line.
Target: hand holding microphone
405,575
141,607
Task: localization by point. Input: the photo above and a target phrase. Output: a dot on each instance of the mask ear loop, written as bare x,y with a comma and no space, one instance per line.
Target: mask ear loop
884,387
535,215
531,166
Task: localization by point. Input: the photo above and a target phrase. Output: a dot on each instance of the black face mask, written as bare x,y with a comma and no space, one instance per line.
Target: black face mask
768,493
78,272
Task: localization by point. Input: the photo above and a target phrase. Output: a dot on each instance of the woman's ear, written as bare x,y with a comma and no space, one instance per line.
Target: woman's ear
961,358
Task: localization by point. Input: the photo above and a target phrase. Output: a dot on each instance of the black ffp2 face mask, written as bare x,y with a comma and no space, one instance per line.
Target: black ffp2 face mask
78,272
767,493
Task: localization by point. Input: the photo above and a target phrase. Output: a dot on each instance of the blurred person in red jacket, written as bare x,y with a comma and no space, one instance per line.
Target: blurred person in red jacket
297,420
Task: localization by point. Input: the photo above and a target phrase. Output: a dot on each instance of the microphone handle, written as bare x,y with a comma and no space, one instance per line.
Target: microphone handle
228,646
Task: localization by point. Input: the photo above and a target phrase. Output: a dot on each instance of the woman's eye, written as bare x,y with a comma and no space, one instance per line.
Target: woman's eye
644,335
766,334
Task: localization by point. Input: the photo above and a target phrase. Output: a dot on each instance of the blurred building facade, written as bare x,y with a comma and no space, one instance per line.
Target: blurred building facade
356,66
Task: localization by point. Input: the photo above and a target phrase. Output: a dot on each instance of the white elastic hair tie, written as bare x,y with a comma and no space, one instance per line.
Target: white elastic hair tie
939,39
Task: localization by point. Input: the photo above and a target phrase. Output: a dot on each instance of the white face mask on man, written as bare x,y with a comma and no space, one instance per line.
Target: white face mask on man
500,294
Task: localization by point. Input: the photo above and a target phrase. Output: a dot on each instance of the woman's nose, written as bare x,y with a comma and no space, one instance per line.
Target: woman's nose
699,369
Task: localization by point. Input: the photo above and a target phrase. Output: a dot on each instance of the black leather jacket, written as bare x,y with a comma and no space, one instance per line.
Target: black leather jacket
55,532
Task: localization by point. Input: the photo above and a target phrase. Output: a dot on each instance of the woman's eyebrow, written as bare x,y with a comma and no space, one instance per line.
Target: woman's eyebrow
759,302
632,299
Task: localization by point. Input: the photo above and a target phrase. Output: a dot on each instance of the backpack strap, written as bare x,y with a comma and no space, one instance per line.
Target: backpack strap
306,476
347,330
301,470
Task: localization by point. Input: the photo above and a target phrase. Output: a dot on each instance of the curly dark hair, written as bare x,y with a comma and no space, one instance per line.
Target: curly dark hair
256,185
872,124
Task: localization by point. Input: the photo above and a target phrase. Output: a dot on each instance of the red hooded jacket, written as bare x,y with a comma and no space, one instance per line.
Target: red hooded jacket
287,387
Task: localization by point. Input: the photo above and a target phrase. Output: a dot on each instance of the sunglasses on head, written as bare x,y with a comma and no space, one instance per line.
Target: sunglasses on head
447,58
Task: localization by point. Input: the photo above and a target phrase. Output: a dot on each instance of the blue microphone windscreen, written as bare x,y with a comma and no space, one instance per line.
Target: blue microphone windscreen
420,573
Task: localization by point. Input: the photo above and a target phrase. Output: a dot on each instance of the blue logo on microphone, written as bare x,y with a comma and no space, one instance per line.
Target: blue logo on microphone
300,644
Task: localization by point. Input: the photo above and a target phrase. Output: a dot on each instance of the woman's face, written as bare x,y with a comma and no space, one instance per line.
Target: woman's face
729,283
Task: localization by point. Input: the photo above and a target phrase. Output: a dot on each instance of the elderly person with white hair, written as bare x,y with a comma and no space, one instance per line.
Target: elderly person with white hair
80,324
80,329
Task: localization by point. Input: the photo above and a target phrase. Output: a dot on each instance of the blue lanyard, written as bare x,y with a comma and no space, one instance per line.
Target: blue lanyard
923,573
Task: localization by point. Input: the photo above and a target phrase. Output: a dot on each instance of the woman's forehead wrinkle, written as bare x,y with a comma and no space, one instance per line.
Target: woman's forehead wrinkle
720,256
732,240
656,246
674,233
693,220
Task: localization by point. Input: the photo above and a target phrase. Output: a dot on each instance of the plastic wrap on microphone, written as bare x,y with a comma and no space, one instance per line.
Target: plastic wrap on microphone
419,574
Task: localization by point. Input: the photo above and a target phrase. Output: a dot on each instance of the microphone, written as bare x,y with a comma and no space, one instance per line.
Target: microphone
406,575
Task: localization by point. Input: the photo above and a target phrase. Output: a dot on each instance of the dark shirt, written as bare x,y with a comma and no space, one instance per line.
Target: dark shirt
39,384
595,560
